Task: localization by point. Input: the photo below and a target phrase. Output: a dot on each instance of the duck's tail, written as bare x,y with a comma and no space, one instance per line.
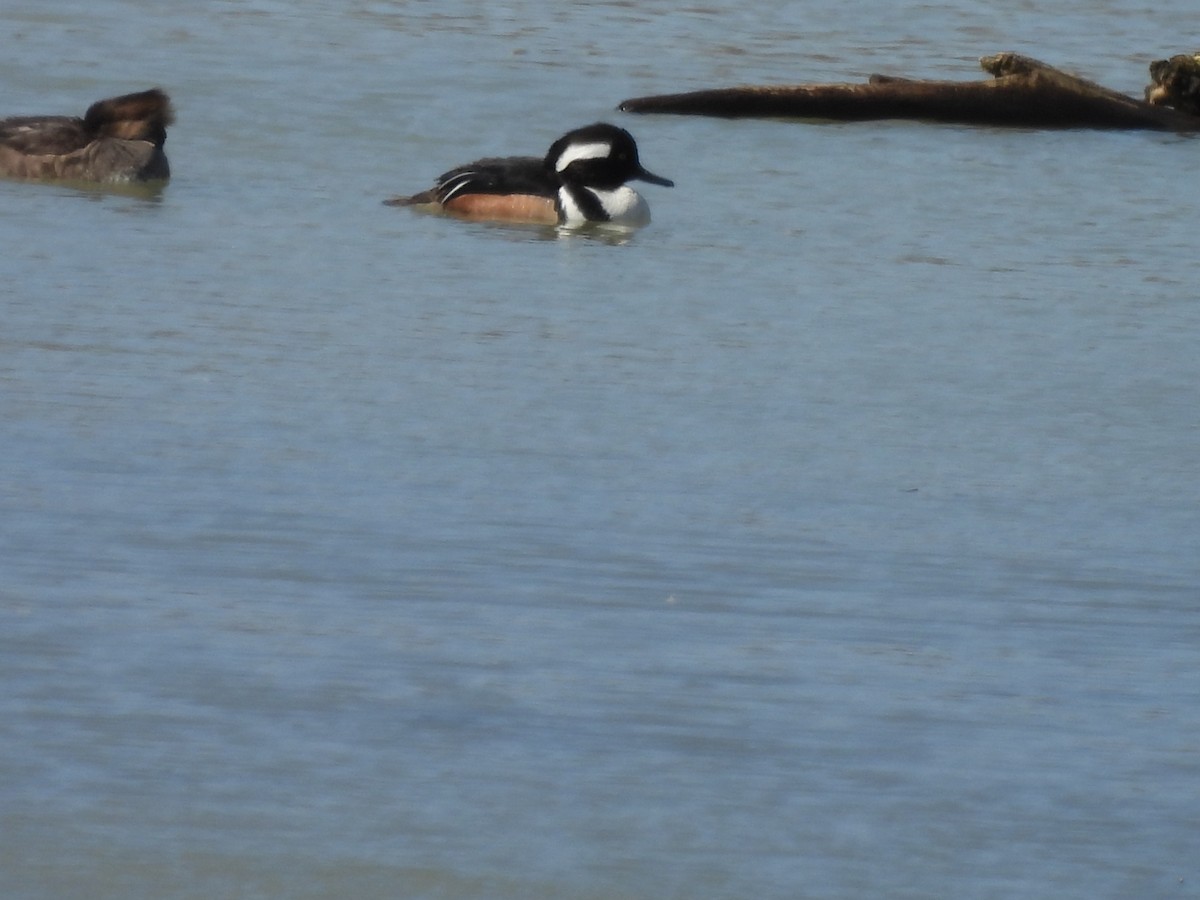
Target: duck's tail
143,116
420,199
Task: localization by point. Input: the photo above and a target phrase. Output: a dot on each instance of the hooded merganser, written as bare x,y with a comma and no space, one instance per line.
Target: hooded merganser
581,180
1176,83
117,140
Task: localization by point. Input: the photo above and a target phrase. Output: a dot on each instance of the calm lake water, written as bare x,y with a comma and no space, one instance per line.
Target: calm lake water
835,536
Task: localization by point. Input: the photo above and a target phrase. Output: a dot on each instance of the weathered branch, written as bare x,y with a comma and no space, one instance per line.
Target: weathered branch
1023,93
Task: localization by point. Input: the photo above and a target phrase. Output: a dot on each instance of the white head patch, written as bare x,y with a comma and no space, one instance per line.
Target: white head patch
574,152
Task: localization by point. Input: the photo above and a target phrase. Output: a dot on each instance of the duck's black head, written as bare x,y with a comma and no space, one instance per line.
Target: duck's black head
600,156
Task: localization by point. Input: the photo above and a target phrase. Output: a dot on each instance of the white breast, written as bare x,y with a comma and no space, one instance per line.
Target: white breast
624,206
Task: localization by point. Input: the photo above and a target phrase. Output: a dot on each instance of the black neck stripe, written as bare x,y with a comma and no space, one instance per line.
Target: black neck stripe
589,204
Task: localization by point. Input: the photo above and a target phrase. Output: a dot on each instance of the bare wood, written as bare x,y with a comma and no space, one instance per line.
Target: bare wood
1023,93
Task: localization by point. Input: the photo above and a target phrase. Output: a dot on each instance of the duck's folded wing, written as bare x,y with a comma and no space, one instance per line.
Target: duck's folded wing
43,135
113,160
104,160
501,175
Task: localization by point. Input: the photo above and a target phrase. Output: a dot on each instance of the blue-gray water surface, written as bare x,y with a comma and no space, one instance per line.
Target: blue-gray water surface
835,536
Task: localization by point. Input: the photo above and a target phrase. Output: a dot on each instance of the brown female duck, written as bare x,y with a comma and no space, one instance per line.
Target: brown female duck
117,140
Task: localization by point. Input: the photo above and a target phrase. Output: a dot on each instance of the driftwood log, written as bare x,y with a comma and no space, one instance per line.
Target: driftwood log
1024,93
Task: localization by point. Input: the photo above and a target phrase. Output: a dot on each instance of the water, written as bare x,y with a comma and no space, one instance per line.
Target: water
834,536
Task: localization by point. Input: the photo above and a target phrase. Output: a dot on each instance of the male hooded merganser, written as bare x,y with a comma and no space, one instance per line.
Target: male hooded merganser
581,180
117,140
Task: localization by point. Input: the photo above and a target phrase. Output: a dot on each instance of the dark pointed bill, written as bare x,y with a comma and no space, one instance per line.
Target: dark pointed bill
644,175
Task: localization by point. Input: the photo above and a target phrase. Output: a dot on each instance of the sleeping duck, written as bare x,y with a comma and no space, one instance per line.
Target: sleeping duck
117,140
1176,82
